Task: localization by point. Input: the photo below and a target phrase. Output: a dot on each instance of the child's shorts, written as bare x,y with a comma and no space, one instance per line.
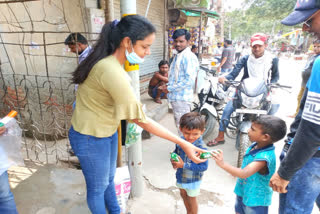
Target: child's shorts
243,209
190,192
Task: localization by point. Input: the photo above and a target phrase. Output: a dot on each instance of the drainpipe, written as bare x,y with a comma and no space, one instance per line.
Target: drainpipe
128,7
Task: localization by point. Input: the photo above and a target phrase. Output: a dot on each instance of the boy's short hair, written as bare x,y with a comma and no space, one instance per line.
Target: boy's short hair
73,38
275,127
192,120
193,47
163,62
181,32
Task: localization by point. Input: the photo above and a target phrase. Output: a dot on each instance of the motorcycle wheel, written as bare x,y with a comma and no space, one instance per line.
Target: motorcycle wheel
210,124
244,143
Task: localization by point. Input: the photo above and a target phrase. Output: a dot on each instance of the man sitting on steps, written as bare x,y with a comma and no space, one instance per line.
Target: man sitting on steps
158,83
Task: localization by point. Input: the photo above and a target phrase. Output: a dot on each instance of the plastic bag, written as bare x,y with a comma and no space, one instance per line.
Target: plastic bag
10,146
123,186
133,133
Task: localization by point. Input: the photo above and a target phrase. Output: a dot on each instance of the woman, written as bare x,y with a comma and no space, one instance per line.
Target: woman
105,97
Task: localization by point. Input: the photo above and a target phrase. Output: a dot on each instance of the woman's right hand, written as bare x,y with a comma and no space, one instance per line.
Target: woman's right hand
2,130
193,152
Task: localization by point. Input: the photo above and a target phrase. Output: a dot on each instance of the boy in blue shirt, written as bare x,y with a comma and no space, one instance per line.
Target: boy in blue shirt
259,163
188,173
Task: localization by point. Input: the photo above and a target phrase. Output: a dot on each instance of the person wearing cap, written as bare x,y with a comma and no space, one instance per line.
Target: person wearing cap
259,64
227,55
298,177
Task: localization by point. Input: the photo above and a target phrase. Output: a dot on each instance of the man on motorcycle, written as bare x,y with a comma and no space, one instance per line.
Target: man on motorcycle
259,64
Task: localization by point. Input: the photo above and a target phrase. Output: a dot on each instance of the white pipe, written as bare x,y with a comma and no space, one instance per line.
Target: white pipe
146,14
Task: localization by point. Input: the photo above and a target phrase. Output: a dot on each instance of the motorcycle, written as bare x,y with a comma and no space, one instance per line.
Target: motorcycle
211,101
252,98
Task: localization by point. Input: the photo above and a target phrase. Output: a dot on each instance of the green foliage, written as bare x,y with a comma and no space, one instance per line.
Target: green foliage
258,16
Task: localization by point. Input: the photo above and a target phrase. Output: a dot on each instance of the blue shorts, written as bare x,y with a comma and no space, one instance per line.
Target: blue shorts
155,91
243,209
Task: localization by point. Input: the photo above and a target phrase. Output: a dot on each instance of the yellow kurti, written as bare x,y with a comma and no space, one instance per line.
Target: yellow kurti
105,98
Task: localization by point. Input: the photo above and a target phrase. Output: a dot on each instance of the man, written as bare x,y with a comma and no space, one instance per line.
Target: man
238,51
217,51
259,64
298,176
183,71
157,85
78,44
226,58
194,49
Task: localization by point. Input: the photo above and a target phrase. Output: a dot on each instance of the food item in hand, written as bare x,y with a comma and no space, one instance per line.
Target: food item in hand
205,155
175,157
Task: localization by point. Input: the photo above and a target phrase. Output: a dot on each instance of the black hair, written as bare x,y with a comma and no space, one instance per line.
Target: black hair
181,32
193,46
316,41
192,120
229,42
275,127
135,27
163,62
73,38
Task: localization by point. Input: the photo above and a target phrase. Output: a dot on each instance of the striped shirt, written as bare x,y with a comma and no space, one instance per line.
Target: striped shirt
182,88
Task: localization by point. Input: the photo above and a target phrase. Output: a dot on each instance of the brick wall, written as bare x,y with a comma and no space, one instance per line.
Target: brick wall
144,82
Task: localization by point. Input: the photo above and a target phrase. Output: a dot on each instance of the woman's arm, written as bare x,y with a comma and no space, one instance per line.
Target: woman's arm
156,129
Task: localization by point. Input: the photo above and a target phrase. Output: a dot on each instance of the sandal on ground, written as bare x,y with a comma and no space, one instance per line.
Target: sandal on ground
158,100
215,143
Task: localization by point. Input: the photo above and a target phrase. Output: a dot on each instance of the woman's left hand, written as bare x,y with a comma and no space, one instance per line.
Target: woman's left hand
193,152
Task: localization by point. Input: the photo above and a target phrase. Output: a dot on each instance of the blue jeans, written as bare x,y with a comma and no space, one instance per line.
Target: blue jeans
97,158
7,204
226,70
303,190
241,208
225,118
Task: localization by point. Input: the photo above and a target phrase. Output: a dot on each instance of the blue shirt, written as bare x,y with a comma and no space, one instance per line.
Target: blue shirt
182,88
190,175
255,190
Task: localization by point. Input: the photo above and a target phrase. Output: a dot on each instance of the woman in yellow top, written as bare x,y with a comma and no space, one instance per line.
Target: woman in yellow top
105,97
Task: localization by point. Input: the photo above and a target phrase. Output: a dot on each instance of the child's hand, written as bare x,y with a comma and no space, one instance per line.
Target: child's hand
173,164
177,165
2,130
218,157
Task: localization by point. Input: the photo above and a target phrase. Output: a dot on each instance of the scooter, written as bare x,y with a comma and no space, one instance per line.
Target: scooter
211,101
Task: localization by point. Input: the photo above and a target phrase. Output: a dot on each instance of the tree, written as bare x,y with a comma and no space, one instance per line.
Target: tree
259,16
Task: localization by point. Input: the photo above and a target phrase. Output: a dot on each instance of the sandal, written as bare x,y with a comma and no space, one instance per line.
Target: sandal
158,100
215,143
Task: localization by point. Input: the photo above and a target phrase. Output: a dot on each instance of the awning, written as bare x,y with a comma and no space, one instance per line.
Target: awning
197,13
288,34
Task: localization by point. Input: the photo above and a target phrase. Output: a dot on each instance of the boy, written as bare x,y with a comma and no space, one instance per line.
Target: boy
188,173
157,85
259,163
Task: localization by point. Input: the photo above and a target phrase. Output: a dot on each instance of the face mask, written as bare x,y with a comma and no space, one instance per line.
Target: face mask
133,58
